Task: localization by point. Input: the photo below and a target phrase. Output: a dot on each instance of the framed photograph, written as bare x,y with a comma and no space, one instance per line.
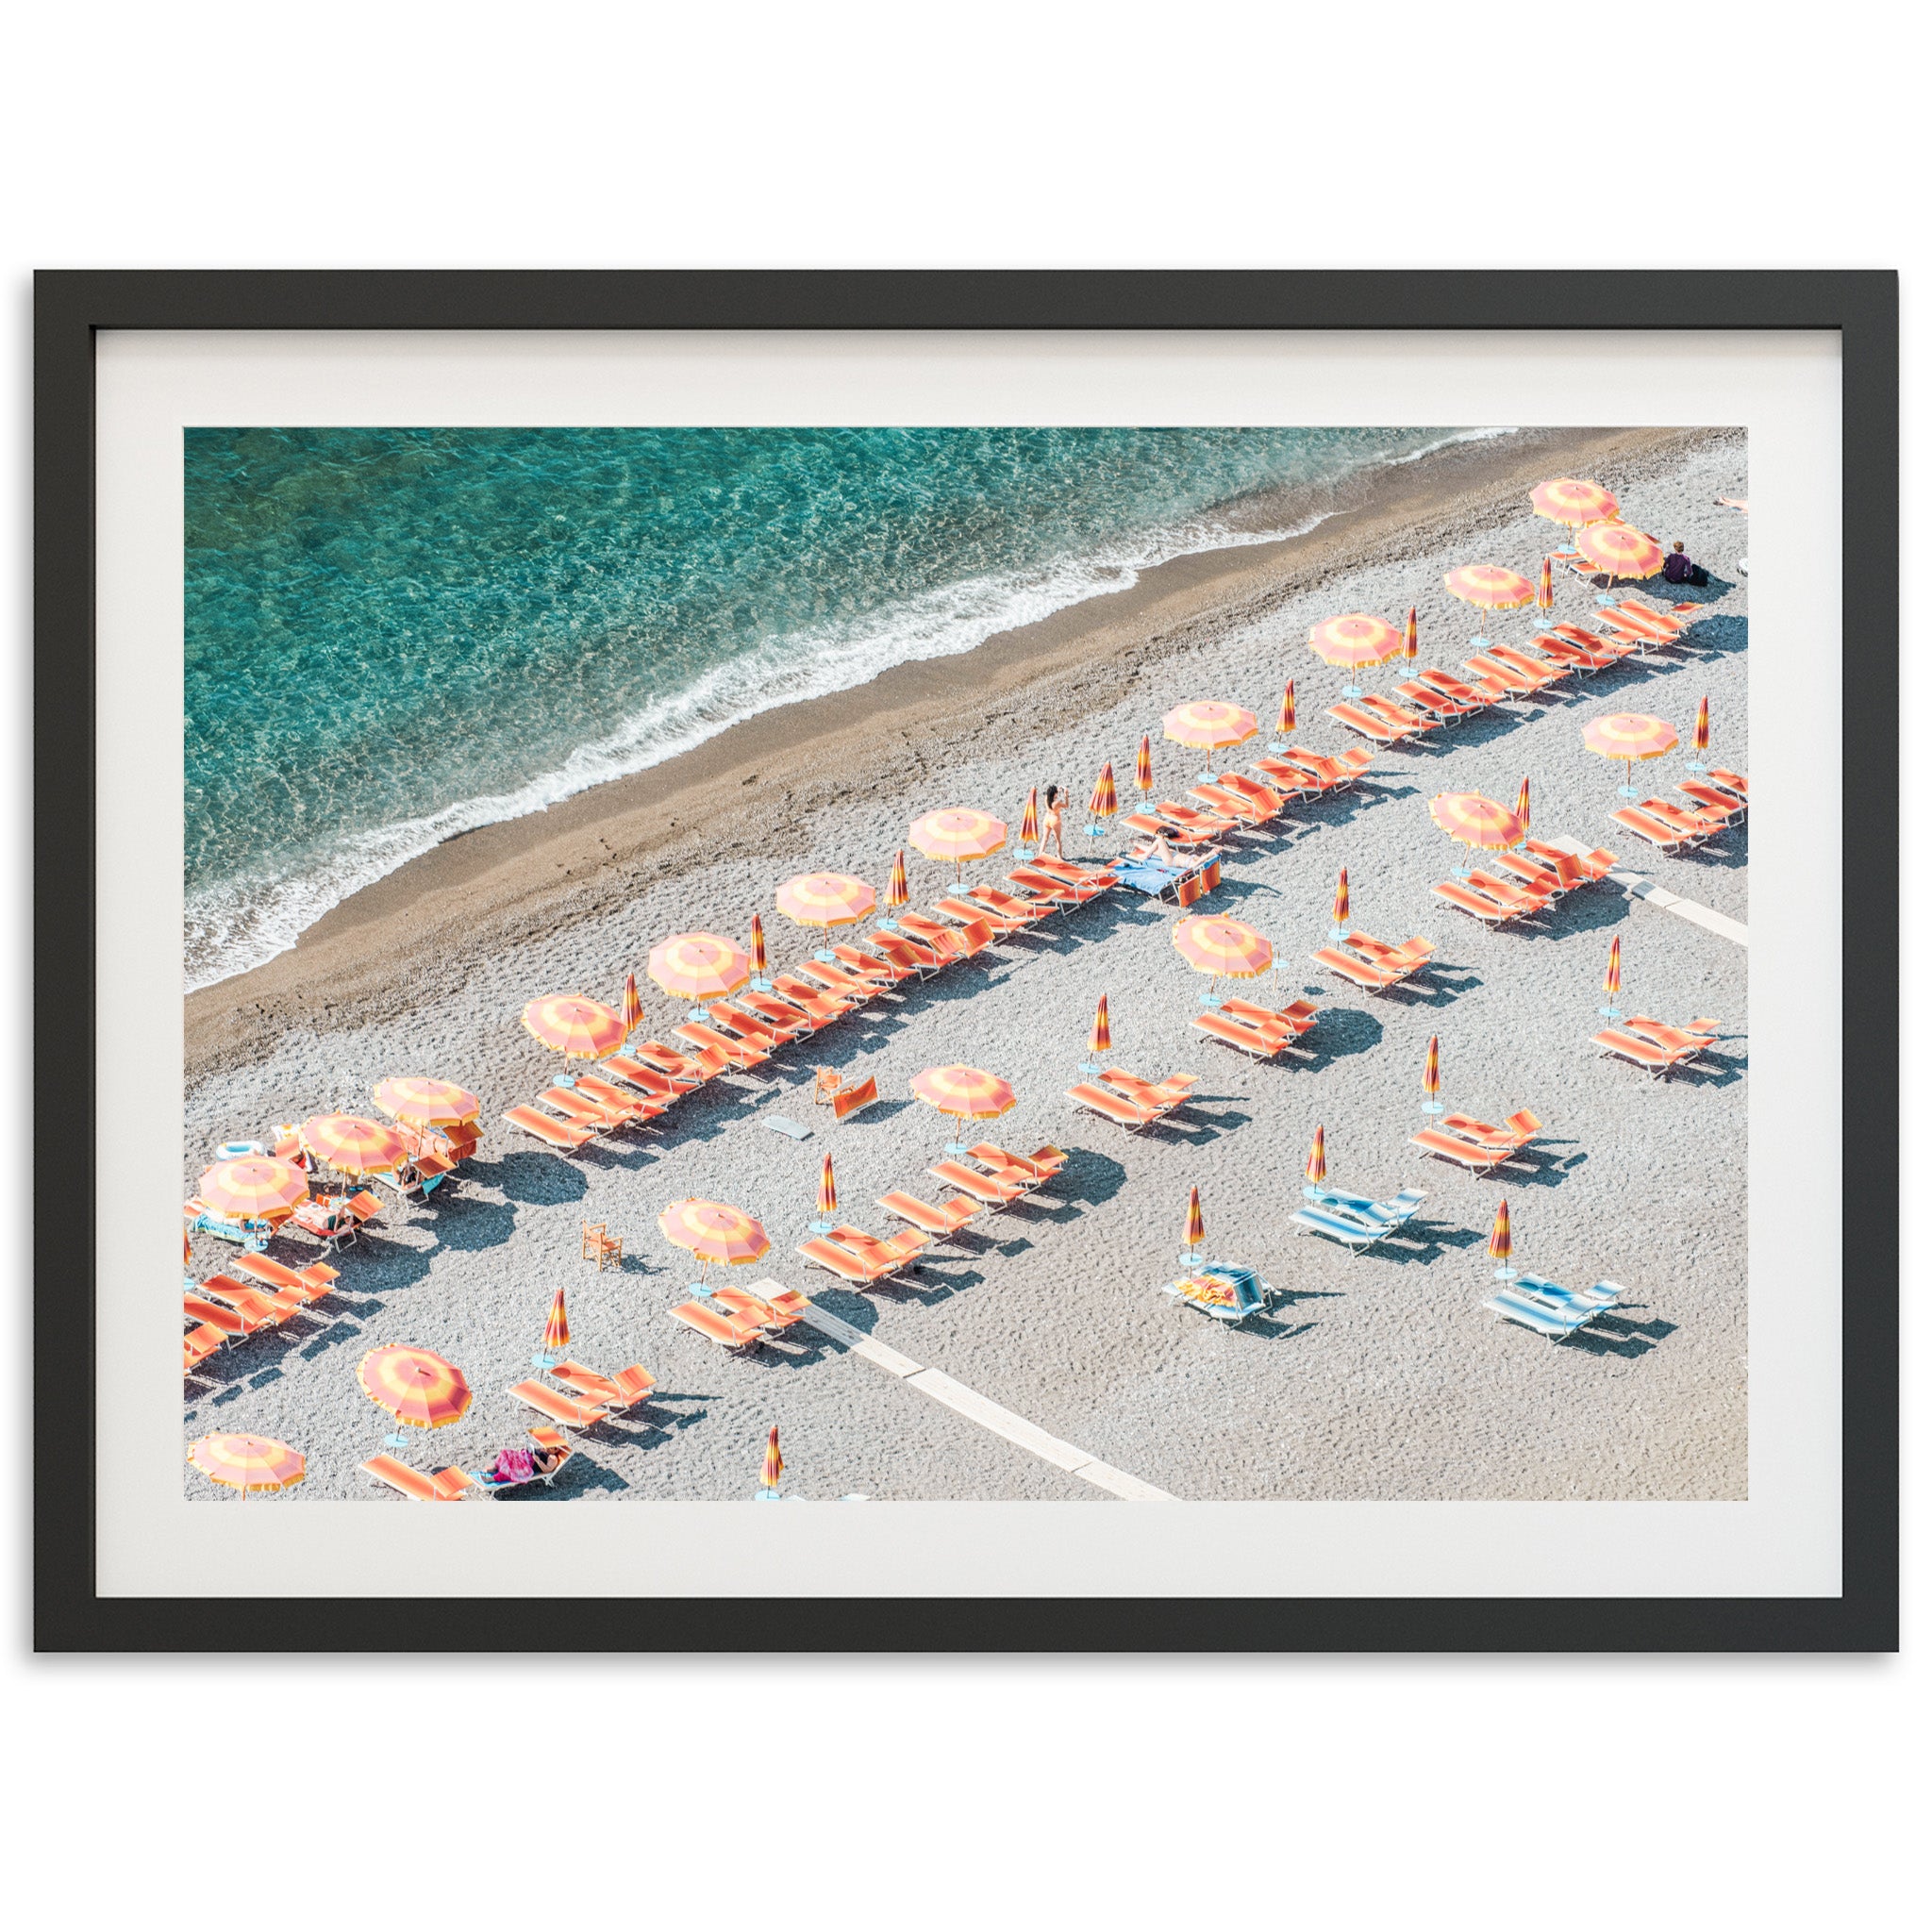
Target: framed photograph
985,895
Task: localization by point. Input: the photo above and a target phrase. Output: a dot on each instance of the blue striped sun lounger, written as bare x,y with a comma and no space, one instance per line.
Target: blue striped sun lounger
1393,1211
1600,1294
1552,1319
1356,1235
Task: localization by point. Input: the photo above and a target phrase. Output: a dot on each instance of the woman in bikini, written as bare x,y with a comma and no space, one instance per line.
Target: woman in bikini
1055,811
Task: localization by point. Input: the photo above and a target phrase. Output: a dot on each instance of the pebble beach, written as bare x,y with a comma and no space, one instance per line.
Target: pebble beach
1373,1377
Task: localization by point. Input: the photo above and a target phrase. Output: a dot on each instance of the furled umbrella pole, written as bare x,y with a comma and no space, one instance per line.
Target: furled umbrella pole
1284,722
1194,1230
1545,590
1103,804
1700,736
1337,917
1100,1041
828,1199
1316,1171
1523,805
760,978
898,894
1143,765
555,1333
633,1006
1432,1077
1613,980
1029,823
774,1468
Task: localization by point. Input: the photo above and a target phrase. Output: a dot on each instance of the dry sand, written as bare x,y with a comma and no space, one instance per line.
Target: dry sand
1378,1377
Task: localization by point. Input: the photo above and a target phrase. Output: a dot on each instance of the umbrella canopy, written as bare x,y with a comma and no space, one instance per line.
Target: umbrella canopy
1355,639
757,945
714,1231
896,891
1284,724
1029,819
967,1094
1570,500
1629,736
1104,802
1545,590
828,1190
568,1024
698,966
1499,1232
427,1102
256,1187
1340,913
1470,819
557,1326
1490,587
1613,970
1101,1039
248,1462
1210,943
415,1385
1432,1069
1523,803
774,1463
957,834
1208,724
633,1006
1195,1232
1143,765
351,1145
1317,1169
827,899
1620,549
1700,736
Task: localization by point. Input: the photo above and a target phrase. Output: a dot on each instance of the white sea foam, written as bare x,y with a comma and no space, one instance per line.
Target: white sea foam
1429,449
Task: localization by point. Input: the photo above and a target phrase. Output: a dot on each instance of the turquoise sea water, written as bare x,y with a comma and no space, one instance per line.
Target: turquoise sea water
395,635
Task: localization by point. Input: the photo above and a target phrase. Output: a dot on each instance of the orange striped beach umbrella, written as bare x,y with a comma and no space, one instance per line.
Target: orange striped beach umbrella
1490,587
1195,1232
1621,549
427,1102
351,1145
1523,804
1029,819
1432,1076
775,1462
1213,943
557,1326
698,966
1572,501
1355,641
757,945
578,1028
187,1250
965,1092
825,899
1700,735
1340,916
1101,1039
896,892
1482,824
256,1187
714,1231
1409,636
633,1006
958,833
1143,765
415,1385
1499,1239
1545,590
1317,1169
1208,724
1105,801
1613,970
1284,724
828,1190
248,1462
1631,736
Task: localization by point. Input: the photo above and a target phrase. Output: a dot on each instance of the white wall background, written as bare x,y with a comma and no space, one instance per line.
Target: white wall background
1053,1791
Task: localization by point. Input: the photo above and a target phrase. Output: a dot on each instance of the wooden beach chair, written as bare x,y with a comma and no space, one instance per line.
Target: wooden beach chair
597,1244
941,1222
727,1331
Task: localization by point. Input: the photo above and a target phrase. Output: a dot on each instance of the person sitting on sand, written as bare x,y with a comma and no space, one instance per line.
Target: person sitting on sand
1678,569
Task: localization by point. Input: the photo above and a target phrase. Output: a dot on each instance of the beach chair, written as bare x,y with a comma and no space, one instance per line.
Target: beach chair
1111,1107
1413,723
1230,805
583,1112
1700,821
1439,703
1539,877
1540,1316
1297,1018
1357,972
198,1343
445,1485
1475,694
1520,661
685,1070
1264,802
941,1222
851,1100
310,1283
1027,912
1730,781
1654,1058
1379,730
1392,1212
858,1270
1594,866
1210,824
1356,1235
1655,831
1590,643
1677,618
1519,1131
1712,799
1572,656
1230,1295
985,1188
1293,775
1478,1157
820,1005
970,937
551,1444
747,1304
552,1133
715,1325
233,1322
1478,905
1032,1170
637,1109
617,1392
898,1251
1410,956
1595,1298
1068,886
1690,1040
1165,1094
1260,1042
1084,881
837,981
566,1411
329,1222
736,1023
740,1053
1526,898
967,916
659,1089
789,1014
880,972
1512,678
597,1244
262,1305
909,954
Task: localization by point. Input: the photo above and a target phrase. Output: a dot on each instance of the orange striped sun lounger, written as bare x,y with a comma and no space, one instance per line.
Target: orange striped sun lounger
820,1005
1035,1169
1590,657
727,1331
1552,673
908,955
970,937
624,1389
1689,1041
1027,912
233,1322
1393,713
1357,972
1731,781
445,1485
1130,1114
745,1306
311,1282
879,971
1264,799
1655,1059
1512,678
1410,957
1478,1155
659,1089
1085,881
198,1344
896,1252
1371,726
1068,886
552,1133
1210,824
1593,865
1263,1042
741,1053
1678,617
1592,642
736,1023
1504,893
582,1109
1294,777
941,1222
788,1014
1537,876
1654,831
840,983
1478,905
1723,803
1148,825
1163,1096
1478,687
633,1106
965,914
1705,823
565,1411
685,1069
862,1271
266,1306
983,1188
1439,703
1229,805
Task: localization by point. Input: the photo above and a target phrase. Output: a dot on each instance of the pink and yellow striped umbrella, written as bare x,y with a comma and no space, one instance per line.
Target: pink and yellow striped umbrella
1570,500
248,1462
828,1190
1208,724
714,1231
1432,1069
825,899
578,1028
187,1250
1195,1232
957,834
351,1145
1284,722
1143,765
415,1385
427,1102
258,1187
1630,736
1317,1169
896,892
633,1006
757,945
1211,943
1700,735
774,1463
1355,641
1620,549
1499,1232
557,1326
698,966
1101,1039
1545,590
969,1094
1409,636
1480,823
1490,587
1104,802
1523,804
1029,819
1340,912
1613,970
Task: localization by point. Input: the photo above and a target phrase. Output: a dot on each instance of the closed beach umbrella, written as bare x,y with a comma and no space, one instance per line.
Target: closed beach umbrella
1630,736
1105,801
1340,916
1195,1232
896,891
1284,724
1523,804
415,1385
1499,1238
258,1187
1208,724
1143,765
1409,636
957,834
248,1462
828,1190
1483,824
1572,501
774,1463
714,1231
187,1250
698,966
633,1006
1317,1169
757,945
1490,587
1700,735
351,1145
1613,974
1620,549
557,1326
969,1094
825,899
1101,1039
1029,819
1432,1070
427,1102
578,1028
1545,590
1221,947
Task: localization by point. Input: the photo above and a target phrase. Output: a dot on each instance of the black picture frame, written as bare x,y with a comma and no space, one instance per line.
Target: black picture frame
71,307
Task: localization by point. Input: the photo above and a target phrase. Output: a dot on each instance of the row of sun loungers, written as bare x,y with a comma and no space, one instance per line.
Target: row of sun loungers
223,1309
1652,1046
